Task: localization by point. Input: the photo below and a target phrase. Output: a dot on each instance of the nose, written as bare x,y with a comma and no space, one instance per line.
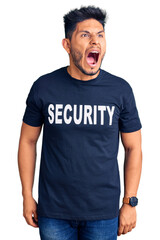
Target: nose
94,40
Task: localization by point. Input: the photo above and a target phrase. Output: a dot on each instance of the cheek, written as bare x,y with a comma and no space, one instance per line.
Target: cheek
81,50
103,50
104,46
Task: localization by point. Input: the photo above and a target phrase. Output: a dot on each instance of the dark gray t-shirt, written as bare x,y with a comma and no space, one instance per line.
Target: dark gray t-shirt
79,174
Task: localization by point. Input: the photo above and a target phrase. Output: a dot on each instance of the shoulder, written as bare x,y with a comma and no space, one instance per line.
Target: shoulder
49,78
116,81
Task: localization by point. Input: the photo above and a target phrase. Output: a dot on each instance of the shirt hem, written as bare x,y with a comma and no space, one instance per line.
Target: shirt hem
82,218
131,129
31,123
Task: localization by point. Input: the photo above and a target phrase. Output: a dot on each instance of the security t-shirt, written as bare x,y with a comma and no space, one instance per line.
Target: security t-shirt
79,175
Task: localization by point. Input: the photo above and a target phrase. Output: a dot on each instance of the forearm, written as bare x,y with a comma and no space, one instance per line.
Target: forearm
132,171
26,164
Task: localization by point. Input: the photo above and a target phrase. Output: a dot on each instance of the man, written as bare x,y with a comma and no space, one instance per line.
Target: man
82,109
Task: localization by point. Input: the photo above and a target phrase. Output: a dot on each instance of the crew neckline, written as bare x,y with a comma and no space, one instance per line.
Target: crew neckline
79,81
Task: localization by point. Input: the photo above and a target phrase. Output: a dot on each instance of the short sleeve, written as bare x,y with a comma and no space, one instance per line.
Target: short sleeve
129,120
33,113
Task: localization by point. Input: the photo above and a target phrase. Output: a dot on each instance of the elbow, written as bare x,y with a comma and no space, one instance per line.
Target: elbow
134,153
133,149
28,141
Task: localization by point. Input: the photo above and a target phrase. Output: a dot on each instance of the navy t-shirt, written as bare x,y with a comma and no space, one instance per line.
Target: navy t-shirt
79,174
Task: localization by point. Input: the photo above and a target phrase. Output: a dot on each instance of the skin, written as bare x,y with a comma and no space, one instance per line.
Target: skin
77,49
132,172
88,34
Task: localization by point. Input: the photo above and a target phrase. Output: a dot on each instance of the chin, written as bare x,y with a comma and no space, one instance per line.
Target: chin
88,70
93,70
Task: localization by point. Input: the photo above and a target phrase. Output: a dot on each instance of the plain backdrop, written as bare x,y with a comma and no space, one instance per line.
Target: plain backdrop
31,36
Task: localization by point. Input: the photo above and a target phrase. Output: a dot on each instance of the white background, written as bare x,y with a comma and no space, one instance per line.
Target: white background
31,36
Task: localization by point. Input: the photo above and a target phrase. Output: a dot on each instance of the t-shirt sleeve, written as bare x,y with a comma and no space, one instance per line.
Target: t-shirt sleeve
129,120
33,115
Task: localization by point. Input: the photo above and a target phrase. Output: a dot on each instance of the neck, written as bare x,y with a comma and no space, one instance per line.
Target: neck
76,73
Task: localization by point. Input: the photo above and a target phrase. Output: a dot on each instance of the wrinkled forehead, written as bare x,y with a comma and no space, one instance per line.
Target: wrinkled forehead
90,25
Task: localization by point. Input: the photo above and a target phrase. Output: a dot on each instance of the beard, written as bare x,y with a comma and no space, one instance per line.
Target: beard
77,56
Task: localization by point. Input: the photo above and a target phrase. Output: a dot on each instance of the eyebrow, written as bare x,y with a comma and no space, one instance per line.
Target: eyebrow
89,32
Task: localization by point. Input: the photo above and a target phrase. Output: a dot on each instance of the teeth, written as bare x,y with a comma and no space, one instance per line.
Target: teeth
94,52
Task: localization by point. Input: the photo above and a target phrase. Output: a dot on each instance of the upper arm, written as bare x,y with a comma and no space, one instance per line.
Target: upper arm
131,140
30,134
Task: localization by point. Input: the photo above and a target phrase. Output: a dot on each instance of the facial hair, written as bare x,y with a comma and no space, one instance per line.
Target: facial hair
77,56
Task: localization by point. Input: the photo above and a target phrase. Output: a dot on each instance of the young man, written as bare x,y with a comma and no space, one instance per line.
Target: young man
82,109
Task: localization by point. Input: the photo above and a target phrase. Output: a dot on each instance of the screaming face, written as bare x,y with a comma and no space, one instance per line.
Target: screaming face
87,47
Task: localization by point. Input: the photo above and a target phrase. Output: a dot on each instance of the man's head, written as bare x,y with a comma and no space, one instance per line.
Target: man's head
85,38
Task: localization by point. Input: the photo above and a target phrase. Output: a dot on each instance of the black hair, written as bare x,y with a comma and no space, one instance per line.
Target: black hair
78,15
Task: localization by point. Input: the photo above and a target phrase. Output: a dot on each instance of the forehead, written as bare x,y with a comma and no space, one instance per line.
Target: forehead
90,25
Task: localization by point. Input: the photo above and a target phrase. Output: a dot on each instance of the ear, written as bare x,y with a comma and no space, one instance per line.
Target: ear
66,44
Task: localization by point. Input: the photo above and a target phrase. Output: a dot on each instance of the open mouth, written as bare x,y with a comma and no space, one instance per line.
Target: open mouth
92,58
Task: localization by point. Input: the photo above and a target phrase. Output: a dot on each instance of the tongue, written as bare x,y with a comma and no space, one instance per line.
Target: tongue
91,60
